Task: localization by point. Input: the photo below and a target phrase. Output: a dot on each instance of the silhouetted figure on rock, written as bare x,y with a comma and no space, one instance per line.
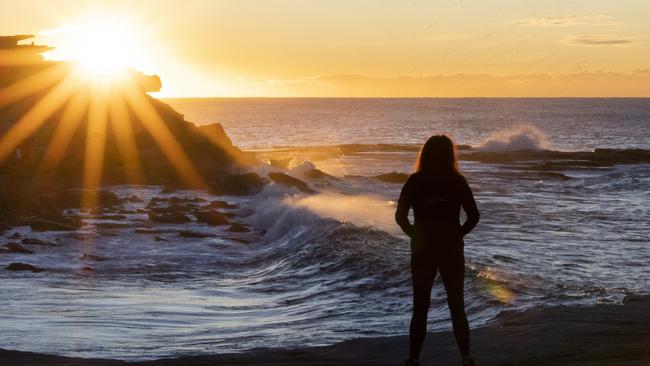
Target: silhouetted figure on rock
436,192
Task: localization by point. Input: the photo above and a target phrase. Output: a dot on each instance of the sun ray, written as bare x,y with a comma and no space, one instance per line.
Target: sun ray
216,139
33,84
70,120
18,57
95,144
157,128
35,117
123,131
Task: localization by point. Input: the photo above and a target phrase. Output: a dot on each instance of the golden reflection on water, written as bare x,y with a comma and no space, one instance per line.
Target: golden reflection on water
495,287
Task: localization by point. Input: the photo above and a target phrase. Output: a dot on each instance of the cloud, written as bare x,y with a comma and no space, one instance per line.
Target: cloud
566,21
600,40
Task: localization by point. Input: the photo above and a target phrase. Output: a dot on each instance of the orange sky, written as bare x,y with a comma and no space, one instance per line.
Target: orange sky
365,47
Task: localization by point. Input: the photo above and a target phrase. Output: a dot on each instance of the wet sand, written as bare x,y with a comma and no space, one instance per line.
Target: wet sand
601,335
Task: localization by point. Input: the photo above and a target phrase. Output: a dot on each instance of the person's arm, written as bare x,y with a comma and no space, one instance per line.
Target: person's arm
403,207
469,206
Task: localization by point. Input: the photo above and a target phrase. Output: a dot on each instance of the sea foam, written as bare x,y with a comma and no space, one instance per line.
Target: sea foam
521,137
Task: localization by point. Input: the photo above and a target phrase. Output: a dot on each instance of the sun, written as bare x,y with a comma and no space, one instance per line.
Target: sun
102,49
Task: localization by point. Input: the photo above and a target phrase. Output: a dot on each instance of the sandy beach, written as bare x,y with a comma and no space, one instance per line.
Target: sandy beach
600,335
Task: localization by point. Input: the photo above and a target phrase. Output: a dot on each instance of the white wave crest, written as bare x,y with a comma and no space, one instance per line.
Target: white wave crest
522,137
358,210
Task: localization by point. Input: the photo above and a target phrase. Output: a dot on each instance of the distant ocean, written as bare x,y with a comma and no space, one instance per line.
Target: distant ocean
568,123
322,268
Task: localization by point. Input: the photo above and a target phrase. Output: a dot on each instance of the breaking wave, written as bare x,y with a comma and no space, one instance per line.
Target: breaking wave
522,137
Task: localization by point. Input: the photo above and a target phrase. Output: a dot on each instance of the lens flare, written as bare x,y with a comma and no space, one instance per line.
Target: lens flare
102,49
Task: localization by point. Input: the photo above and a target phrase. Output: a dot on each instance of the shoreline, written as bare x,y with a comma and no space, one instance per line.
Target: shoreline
610,334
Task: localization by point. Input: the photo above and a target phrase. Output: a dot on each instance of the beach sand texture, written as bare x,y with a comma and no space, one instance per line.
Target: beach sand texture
599,335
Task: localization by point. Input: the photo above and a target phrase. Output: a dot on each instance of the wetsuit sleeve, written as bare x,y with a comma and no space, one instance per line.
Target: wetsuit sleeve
403,207
469,206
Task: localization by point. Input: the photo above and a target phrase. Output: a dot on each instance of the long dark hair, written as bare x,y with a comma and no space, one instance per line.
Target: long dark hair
437,156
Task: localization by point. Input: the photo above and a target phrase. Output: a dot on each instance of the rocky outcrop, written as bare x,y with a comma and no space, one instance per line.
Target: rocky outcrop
17,248
290,181
211,217
91,257
169,149
169,217
238,228
237,184
38,185
193,234
221,204
23,267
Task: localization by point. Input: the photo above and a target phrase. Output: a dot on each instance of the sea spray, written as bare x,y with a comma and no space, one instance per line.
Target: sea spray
521,137
358,209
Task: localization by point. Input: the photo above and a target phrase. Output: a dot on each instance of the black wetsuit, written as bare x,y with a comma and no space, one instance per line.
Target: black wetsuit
437,245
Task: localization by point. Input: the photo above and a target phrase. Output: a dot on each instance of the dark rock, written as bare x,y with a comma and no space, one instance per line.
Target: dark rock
88,269
155,201
84,236
175,199
34,241
168,217
193,234
217,137
15,236
221,204
134,198
112,217
17,248
158,238
393,177
23,267
168,189
112,225
237,184
153,231
318,174
238,228
562,160
628,299
240,240
211,217
49,210
108,199
91,257
290,181
173,208
74,220
47,225
4,226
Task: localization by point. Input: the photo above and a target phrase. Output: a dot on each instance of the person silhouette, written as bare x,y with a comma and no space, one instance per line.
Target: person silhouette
436,191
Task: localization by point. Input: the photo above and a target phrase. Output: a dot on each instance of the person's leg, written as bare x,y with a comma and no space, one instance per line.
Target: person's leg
423,273
453,276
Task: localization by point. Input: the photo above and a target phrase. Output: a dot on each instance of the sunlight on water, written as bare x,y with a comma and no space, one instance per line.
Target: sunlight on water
333,264
358,210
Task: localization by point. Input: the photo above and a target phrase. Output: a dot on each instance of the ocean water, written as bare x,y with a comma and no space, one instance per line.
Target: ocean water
317,269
